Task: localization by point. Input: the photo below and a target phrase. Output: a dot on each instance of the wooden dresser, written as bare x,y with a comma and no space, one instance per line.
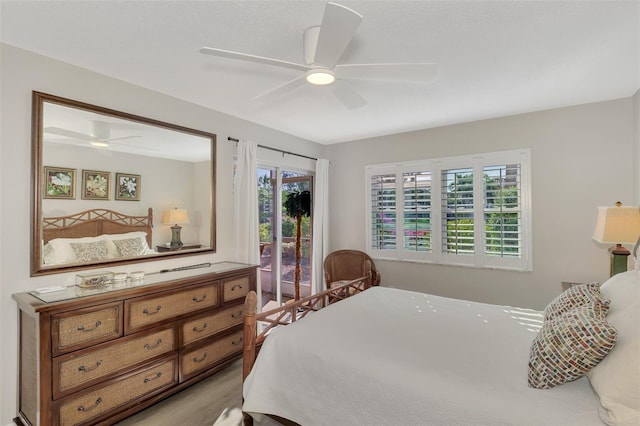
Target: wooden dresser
97,356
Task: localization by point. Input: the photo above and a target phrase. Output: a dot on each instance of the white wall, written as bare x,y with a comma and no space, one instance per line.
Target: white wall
636,119
582,157
164,184
22,72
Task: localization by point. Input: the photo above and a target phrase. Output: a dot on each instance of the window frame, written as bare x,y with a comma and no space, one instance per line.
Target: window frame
436,166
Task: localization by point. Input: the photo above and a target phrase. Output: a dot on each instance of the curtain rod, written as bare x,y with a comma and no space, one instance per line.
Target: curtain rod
275,149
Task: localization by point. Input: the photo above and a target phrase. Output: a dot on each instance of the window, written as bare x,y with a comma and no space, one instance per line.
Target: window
472,210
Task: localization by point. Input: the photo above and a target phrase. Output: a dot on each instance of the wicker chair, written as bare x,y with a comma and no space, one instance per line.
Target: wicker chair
345,265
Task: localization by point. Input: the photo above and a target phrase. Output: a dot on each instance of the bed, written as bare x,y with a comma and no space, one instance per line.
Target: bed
94,235
391,357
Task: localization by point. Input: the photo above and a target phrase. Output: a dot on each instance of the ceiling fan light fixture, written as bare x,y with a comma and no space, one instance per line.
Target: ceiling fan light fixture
99,144
320,77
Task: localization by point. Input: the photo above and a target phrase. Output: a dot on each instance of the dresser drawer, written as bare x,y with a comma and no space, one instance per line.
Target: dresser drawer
73,371
197,360
89,405
235,288
144,311
85,327
208,325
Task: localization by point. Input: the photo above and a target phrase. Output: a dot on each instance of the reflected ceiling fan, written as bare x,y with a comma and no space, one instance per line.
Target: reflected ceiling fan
99,136
323,46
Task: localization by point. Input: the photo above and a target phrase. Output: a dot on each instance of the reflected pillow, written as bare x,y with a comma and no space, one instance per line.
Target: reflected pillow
89,252
140,235
48,255
570,345
577,295
129,247
64,253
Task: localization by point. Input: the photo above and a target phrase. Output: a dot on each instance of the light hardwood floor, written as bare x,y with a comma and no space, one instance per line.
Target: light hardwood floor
198,405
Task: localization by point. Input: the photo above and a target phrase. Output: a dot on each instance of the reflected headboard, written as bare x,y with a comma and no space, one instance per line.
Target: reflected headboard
91,223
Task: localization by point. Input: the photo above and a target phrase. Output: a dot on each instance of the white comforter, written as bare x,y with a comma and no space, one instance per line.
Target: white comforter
393,357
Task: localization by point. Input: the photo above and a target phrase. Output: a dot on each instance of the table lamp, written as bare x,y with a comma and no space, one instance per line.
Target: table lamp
176,217
618,225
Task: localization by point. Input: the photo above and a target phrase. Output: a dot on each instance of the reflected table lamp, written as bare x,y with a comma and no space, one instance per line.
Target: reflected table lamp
176,217
618,225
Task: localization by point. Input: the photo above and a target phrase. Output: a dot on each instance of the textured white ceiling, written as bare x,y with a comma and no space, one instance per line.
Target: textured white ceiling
496,58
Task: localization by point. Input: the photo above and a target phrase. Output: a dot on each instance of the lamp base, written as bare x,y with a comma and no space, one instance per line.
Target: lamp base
175,236
619,256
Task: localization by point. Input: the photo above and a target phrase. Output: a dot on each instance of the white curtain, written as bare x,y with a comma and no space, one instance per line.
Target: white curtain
245,207
320,224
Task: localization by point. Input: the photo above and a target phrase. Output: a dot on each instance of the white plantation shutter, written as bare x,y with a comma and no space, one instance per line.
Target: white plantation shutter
417,211
502,211
457,211
383,212
472,211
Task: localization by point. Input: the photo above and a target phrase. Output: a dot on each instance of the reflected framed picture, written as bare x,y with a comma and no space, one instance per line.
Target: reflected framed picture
95,185
127,187
59,182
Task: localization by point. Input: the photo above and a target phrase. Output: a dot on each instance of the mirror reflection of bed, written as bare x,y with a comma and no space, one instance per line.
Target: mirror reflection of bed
94,236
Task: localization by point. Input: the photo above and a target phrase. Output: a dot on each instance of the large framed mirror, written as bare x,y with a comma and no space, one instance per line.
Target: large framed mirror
111,188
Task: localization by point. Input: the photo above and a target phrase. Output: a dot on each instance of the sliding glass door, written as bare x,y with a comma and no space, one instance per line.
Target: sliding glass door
277,242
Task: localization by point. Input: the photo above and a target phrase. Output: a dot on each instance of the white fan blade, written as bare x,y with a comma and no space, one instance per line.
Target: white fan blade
133,147
68,133
339,25
349,97
399,72
76,135
281,90
253,58
120,138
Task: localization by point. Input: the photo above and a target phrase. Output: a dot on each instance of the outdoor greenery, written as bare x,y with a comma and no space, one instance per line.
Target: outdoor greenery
501,213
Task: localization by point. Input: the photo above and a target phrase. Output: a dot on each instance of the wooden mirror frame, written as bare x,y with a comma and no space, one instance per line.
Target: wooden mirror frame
37,180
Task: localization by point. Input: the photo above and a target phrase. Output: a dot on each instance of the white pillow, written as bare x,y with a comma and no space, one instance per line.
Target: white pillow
621,290
48,255
616,379
127,235
63,253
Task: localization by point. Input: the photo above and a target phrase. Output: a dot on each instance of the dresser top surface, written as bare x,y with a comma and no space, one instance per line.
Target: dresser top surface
166,276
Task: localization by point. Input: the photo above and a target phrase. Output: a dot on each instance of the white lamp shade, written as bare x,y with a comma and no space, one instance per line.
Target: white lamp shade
175,216
617,225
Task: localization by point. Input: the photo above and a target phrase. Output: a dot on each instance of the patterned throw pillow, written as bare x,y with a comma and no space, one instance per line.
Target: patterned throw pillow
578,295
570,345
88,252
129,247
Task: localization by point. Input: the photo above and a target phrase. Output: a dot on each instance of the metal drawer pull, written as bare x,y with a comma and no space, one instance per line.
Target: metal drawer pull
151,379
87,369
83,408
236,342
81,327
148,346
200,330
196,359
236,314
236,286
195,298
146,311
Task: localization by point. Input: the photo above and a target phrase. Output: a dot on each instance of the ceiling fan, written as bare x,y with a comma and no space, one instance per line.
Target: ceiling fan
99,136
323,46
